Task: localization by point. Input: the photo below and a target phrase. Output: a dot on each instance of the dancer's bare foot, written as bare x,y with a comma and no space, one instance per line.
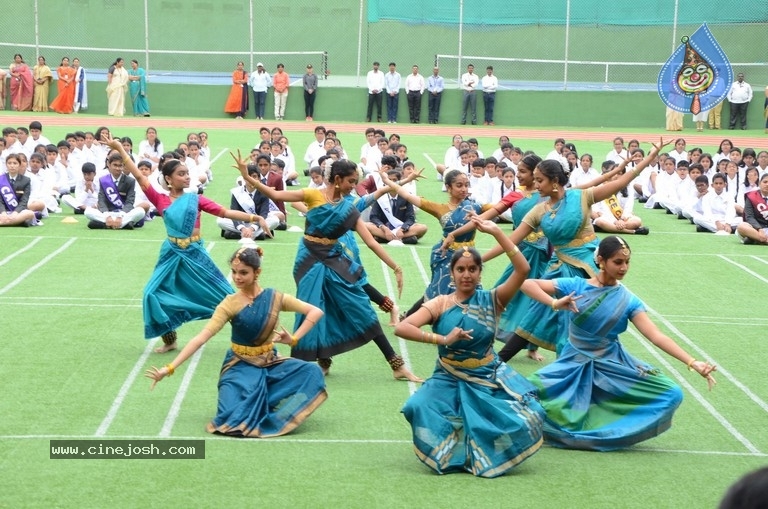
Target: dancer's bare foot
535,355
405,374
394,315
166,348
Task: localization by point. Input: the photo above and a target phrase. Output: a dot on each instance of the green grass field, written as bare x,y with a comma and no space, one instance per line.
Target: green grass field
74,354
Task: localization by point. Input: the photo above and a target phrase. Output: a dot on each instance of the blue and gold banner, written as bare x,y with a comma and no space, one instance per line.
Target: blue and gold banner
697,76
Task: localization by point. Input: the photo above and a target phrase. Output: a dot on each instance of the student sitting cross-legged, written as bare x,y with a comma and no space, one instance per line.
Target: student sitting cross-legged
117,192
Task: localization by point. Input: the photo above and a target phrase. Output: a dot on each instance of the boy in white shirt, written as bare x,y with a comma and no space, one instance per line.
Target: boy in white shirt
86,191
718,212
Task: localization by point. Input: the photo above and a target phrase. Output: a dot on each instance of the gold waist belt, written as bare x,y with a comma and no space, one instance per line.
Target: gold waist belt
469,363
579,242
184,243
320,240
252,351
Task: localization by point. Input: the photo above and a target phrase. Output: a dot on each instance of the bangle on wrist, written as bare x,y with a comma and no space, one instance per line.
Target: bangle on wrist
294,341
398,269
170,369
252,218
554,303
690,364
514,250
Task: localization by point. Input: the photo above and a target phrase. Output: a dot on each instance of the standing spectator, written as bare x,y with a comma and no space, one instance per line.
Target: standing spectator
713,119
65,100
117,84
435,86
490,83
375,83
237,101
21,85
392,84
739,96
469,82
310,89
414,86
766,110
43,77
137,77
259,82
280,81
81,86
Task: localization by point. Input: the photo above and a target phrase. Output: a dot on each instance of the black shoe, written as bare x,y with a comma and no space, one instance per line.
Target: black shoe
230,235
260,237
657,206
410,240
95,225
306,172
680,215
77,212
642,199
642,231
701,229
282,226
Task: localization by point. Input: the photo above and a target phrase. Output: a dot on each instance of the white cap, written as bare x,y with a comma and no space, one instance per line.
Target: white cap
259,65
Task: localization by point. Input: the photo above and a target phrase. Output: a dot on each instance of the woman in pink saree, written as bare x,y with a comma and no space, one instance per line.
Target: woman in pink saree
21,85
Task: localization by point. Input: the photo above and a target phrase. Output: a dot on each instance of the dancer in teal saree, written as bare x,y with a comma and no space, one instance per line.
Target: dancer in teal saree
261,393
475,413
596,395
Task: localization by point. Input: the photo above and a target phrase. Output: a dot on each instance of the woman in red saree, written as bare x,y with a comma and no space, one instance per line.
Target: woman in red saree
65,101
21,85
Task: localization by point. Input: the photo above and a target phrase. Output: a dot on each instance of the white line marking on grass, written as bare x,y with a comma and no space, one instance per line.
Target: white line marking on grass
128,383
745,269
181,392
128,300
431,161
17,253
175,409
420,266
348,441
69,305
223,151
762,260
36,266
720,369
695,393
401,342
123,392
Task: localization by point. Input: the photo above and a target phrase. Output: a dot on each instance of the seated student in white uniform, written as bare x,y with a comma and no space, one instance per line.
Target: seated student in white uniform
584,173
614,214
250,201
86,191
480,189
146,168
679,153
115,208
408,169
451,156
508,185
683,194
663,185
619,153
718,211
42,196
750,183
66,178
197,165
276,152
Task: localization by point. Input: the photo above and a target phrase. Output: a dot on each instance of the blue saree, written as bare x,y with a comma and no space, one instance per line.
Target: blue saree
596,395
569,229
261,394
439,261
330,279
475,413
138,90
535,248
185,285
